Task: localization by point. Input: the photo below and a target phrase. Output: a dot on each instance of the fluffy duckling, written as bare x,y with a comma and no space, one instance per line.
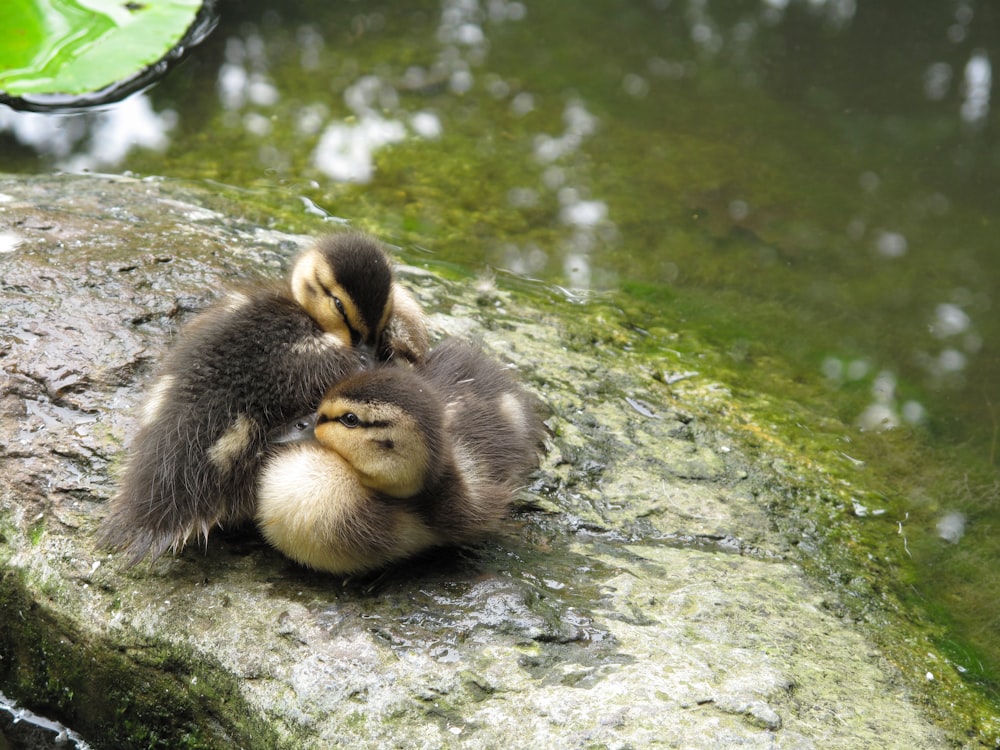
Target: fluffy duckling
247,364
398,461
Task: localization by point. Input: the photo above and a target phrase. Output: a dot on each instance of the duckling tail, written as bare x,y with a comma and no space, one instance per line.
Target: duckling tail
119,534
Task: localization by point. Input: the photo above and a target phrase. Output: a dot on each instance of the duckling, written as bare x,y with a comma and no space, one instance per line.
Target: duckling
240,368
397,461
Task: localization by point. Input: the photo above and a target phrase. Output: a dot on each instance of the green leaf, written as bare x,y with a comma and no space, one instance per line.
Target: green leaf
75,47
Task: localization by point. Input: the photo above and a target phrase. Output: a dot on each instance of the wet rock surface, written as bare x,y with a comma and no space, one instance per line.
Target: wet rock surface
640,598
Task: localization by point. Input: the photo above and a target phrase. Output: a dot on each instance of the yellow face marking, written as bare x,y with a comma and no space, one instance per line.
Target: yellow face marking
315,287
347,311
381,442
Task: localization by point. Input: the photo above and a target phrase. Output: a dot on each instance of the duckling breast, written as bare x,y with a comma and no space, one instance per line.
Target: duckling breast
312,507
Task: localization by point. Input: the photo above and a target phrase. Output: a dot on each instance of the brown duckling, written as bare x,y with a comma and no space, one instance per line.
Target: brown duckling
240,368
398,461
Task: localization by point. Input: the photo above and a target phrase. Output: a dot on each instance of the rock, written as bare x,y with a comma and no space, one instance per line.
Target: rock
640,598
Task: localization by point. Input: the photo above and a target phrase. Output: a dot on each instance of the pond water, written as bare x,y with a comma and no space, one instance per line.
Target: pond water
812,185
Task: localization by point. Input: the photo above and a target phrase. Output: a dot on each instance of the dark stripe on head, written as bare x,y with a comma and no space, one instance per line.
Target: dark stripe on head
363,271
399,386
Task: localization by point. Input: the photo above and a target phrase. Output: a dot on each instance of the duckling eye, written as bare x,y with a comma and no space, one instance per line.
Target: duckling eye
350,420
339,305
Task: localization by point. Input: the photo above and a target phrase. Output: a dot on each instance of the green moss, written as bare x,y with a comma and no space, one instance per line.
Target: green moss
150,696
37,532
815,469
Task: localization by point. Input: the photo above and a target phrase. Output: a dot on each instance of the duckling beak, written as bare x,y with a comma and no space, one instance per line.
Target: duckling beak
301,429
367,356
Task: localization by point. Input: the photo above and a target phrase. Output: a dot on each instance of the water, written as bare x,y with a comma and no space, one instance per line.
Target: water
25,730
812,186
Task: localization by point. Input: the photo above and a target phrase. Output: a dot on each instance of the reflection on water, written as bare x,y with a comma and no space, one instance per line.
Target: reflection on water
586,217
346,147
976,90
9,241
829,165
35,731
90,142
951,527
346,150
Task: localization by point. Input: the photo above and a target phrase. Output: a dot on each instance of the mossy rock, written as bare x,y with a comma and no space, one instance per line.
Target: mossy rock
641,597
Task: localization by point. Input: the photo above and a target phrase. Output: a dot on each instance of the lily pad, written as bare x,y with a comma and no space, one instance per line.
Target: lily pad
71,54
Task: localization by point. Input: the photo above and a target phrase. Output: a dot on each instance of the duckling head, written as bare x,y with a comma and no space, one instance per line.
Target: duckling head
387,424
345,284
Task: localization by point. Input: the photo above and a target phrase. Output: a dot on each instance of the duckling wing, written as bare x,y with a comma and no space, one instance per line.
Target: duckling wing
240,369
405,334
491,418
